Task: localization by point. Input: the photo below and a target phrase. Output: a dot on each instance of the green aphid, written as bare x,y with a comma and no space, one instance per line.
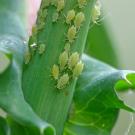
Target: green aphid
67,47
63,81
79,19
82,3
96,12
33,47
27,57
63,59
54,2
55,72
71,33
78,69
60,5
41,48
70,16
55,17
73,60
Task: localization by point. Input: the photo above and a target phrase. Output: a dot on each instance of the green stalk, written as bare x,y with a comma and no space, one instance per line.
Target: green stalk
38,85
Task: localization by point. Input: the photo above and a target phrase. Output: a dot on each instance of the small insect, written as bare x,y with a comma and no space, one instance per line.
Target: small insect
55,17
63,81
96,12
33,47
27,57
41,48
55,72
79,19
60,5
54,2
71,33
73,60
70,16
46,3
82,3
63,59
78,69
67,47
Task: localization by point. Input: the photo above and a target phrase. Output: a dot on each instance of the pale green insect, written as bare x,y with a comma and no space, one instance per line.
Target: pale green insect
55,72
27,57
70,16
71,33
82,3
60,5
63,59
67,47
73,60
41,48
54,2
33,47
63,81
96,12
55,17
78,69
46,3
79,19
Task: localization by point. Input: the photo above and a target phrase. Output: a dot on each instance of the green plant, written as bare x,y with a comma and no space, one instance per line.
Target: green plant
46,87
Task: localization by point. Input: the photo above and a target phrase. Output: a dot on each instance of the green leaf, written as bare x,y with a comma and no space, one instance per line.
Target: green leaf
4,128
12,36
96,102
100,43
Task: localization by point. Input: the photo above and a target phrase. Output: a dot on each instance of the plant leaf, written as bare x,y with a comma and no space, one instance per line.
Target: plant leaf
12,36
100,43
96,103
4,128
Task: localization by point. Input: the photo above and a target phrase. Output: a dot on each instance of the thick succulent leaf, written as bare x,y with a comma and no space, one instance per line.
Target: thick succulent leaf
96,103
12,48
100,43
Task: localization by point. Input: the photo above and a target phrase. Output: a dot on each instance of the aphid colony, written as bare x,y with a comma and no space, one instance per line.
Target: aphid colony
69,67
69,64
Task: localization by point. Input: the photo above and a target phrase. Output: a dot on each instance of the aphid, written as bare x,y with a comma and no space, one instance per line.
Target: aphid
63,81
55,72
60,5
54,2
96,12
55,17
63,59
33,47
67,47
79,19
82,3
70,16
47,3
41,48
78,69
27,57
73,60
71,33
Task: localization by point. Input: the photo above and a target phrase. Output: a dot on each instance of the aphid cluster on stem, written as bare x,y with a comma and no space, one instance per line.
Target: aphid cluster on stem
70,66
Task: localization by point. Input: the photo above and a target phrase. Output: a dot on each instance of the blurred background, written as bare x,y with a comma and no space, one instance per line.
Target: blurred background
120,17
